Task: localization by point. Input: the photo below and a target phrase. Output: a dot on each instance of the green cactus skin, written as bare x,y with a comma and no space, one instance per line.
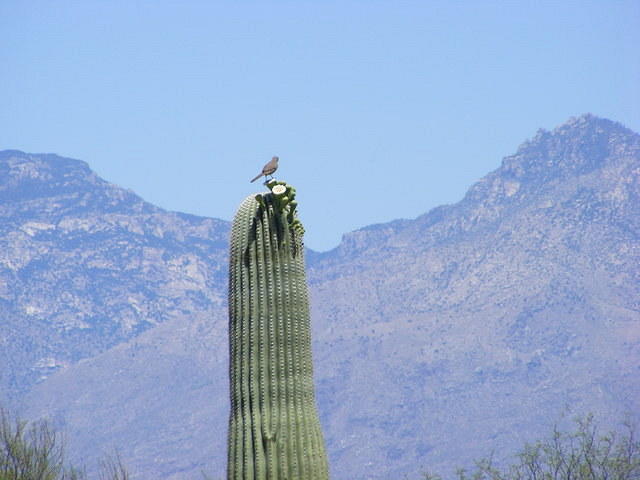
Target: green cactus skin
274,429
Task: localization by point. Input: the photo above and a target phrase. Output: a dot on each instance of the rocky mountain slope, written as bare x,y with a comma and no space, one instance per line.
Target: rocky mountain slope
85,265
478,323
437,340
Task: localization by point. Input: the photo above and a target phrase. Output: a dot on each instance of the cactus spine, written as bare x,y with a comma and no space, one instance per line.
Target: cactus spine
274,430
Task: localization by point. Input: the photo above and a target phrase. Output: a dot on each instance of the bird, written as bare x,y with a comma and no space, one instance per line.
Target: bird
268,169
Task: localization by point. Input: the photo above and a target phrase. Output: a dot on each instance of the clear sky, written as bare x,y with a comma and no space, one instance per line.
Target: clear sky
378,109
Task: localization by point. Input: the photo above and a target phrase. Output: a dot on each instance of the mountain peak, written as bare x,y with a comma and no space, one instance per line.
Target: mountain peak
46,179
19,165
583,146
588,120
576,147
583,125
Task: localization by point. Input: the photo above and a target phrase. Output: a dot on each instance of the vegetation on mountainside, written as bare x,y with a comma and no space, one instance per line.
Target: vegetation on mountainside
36,451
584,454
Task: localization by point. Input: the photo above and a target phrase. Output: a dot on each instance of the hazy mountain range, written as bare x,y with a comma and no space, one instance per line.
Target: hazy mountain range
437,340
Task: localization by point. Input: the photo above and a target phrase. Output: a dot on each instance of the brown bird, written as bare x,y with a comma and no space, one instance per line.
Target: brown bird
268,169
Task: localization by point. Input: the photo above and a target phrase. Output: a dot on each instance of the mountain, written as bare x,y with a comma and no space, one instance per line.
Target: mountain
86,265
473,326
467,330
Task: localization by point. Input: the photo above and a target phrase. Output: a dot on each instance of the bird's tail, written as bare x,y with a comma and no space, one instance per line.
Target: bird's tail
257,177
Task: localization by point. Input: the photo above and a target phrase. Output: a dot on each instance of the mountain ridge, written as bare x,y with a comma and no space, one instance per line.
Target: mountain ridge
436,340
511,167
72,244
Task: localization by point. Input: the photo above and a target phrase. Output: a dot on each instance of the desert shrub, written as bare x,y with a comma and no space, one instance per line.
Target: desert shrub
35,451
584,454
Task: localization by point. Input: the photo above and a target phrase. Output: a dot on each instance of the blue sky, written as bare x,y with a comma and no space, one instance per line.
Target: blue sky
378,109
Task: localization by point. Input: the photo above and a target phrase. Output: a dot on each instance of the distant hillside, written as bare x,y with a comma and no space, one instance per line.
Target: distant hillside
437,340
467,329
85,265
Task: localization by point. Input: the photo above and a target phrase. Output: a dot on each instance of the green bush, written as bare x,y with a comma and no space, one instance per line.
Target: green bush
583,454
35,451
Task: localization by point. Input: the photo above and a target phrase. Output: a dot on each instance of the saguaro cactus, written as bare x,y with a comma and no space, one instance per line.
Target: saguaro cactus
274,430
